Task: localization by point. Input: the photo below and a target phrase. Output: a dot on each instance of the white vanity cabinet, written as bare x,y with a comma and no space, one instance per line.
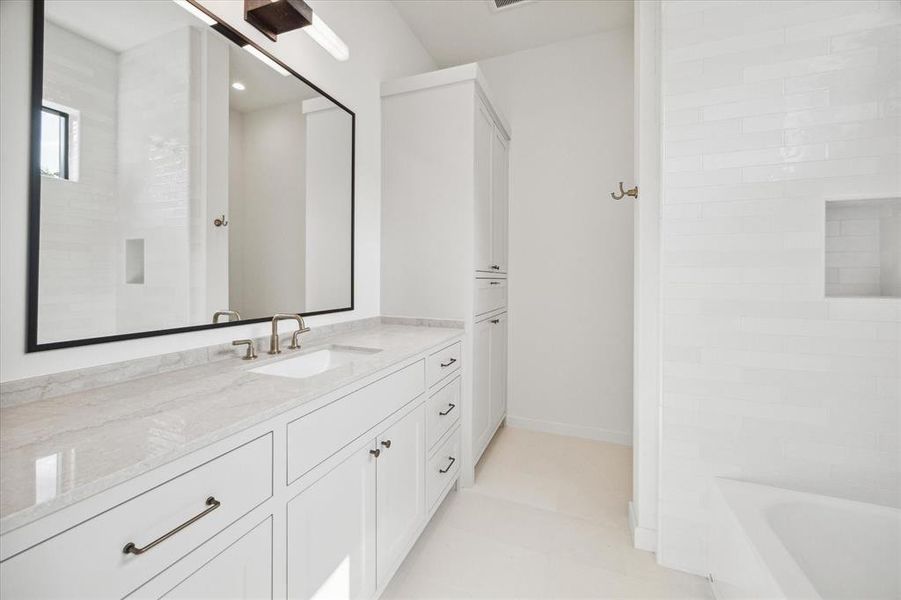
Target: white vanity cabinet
445,203
324,501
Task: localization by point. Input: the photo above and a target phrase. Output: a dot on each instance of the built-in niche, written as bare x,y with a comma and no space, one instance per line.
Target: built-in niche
863,248
134,261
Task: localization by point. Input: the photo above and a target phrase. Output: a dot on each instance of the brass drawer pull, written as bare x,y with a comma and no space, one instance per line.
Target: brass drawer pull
495,321
494,283
376,453
496,267
450,407
131,548
449,363
386,443
449,465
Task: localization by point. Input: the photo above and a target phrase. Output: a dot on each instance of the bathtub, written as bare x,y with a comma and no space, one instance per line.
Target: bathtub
768,542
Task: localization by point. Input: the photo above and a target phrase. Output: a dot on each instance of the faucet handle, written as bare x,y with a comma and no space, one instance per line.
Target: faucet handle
251,348
294,345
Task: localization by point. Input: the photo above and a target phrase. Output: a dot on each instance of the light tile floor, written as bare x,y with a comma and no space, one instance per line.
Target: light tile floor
547,518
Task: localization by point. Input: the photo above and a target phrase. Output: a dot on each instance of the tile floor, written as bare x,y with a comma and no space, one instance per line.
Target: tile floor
547,518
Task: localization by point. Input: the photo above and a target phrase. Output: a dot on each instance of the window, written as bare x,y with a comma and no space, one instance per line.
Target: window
54,143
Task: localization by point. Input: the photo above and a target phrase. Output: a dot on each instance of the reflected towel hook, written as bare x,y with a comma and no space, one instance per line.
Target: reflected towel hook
633,193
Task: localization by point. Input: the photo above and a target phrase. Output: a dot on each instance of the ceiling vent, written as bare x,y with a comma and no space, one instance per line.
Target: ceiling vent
497,5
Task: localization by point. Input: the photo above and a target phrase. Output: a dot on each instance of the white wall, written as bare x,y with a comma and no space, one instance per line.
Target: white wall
271,213
768,110
570,300
382,47
328,162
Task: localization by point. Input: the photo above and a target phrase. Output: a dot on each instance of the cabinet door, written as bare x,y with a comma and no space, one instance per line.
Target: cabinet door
481,392
498,368
243,570
331,533
500,161
484,133
401,489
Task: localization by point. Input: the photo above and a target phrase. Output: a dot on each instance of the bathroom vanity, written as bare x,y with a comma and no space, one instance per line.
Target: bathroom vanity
221,480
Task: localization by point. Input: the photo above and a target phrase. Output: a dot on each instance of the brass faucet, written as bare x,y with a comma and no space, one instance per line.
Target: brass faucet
226,313
273,339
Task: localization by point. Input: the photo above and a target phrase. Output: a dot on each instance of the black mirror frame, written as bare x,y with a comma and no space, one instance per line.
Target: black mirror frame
34,194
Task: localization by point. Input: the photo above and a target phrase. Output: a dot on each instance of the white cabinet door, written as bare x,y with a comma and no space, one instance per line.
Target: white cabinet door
401,489
484,134
498,368
331,533
481,392
500,161
243,570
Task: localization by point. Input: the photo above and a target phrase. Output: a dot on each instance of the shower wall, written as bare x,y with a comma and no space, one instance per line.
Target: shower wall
769,109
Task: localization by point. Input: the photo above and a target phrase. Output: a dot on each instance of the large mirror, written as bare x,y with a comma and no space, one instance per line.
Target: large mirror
181,178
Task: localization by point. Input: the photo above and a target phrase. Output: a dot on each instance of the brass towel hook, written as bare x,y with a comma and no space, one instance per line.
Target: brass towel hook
622,193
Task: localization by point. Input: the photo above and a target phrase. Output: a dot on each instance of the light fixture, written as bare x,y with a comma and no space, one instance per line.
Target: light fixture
328,39
207,19
273,17
239,86
269,62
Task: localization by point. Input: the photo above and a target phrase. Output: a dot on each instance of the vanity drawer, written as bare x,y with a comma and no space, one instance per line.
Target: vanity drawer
443,468
444,362
316,436
89,560
491,294
443,411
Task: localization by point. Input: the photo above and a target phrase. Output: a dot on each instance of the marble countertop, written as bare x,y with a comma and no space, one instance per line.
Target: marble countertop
57,451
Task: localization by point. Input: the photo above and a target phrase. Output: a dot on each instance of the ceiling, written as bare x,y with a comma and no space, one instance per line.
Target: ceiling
264,87
461,31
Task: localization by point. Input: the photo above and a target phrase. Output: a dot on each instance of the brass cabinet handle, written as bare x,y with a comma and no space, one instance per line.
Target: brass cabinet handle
496,267
386,443
449,465
376,453
449,363
495,321
494,283
450,407
131,548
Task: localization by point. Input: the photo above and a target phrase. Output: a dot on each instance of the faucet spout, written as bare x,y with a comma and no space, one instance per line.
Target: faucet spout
273,338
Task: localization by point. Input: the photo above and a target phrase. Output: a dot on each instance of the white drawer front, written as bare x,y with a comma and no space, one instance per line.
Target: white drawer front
444,362
443,468
88,561
316,436
491,294
443,411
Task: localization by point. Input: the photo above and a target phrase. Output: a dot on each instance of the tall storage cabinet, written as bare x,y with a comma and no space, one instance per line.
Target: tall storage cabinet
445,200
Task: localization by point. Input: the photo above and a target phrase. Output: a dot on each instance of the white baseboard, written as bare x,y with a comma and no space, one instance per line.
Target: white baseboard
591,433
642,537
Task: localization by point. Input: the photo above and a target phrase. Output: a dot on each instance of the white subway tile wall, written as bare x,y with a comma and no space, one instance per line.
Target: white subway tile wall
771,108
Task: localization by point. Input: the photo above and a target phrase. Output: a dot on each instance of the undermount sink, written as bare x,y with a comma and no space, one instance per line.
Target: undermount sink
314,363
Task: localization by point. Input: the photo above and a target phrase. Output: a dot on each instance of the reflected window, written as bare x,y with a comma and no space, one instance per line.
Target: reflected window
54,143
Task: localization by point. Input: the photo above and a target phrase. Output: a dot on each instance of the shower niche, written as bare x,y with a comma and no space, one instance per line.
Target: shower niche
863,248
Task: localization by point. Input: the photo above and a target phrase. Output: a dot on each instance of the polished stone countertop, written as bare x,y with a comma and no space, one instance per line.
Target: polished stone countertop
57,451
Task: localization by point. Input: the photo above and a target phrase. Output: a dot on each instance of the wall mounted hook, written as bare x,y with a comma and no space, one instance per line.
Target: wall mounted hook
220,221
632,193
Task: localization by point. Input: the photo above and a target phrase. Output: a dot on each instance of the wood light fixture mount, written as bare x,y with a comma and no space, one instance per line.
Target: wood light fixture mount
278,16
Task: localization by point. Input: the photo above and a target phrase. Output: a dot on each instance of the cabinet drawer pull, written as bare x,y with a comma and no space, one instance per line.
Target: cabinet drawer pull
495,321
450,407
131,548
376,453
496,267
386,443
494,283
449,465
448,363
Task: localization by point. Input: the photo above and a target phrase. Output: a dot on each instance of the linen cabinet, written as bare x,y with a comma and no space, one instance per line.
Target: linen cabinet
445,202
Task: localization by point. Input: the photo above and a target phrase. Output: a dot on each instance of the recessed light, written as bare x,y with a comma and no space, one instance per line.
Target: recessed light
239,86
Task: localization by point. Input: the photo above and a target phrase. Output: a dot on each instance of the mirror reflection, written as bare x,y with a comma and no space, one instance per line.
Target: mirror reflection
183,179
